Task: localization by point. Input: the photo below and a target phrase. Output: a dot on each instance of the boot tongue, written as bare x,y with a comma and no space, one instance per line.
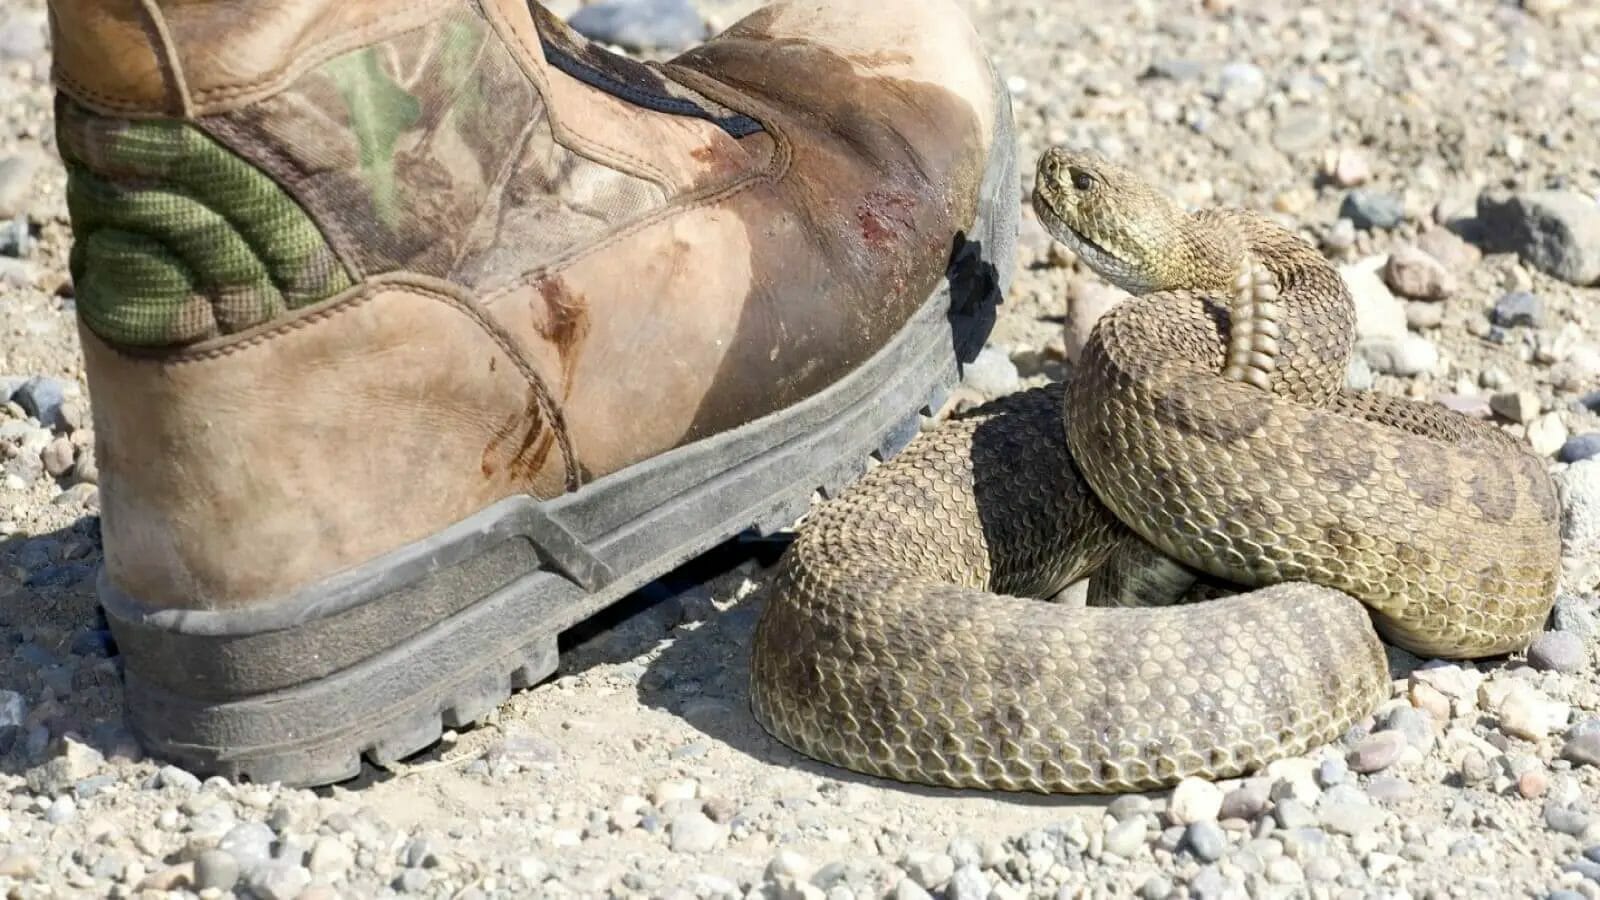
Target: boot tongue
641,84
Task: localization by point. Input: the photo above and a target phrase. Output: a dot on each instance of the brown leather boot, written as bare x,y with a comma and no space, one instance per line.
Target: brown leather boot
418,332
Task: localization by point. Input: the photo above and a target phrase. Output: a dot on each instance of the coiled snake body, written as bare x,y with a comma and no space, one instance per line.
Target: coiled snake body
1207,440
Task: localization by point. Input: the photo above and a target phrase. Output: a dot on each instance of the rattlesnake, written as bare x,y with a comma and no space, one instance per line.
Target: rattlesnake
899,640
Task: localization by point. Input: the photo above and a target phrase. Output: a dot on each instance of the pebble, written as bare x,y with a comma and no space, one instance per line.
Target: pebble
1377,751
329,856
1447,247
1580,447
250,844
1346,167
1125,838
174,777
695,833
968,883
1557,651
1350,818
1241,85
1156,887
1556,232
1532,784
1515,406
1291,813
1424,315
42,398
1565,819
1406,356
992,373
1410,272
1518,309
216,870
641,25
1417,727
1194,800
1546,434
1248,801
1528,714
1370,209
1583,749
928,869
1206,840
1332,771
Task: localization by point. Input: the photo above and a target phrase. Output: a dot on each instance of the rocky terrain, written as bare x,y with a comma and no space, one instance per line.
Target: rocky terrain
1445,153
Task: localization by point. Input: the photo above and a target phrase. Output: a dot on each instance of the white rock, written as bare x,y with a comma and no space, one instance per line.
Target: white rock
1194,800
680,789
1547,433
1379,313
1578,488
1528,714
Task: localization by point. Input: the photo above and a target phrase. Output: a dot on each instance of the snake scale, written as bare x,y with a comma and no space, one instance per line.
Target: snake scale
1203,442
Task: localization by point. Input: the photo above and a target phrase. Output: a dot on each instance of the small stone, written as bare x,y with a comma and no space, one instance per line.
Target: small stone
1557,651
1423,315
1126,838
250,844
641,25
1283,870
1370,209
1087,300
1412,273
1206,841
968,883
787,863
1346,167
1528,714
1350,818
929,870
1546,434
170,878
16,182
1247,801
216,870
42,397
174,777
1127,806
992,373
1332,771
1379,314
1472,406
1406,356
1323,868
1532,784
1580,447
329,856
1417,727
1518,309
1291,813
907,889
1156,887
1388,789
62,810
1565,819
1376,752
1583,749
667,791
695,833
1194,800
58,457
1556,232
1515,406
1241,85
1573,613
1447,247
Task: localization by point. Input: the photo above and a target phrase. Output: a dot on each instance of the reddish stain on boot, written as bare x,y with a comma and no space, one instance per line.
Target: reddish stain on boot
884,216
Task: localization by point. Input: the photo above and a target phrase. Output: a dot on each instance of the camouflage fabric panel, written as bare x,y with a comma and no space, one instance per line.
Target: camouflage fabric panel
177,239
429,152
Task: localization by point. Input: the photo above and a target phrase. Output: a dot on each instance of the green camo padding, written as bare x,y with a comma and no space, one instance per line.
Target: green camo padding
178,239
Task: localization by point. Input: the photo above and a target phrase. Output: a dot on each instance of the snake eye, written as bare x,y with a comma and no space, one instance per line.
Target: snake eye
1080,179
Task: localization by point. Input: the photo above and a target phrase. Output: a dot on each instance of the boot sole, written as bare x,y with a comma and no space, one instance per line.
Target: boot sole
376,661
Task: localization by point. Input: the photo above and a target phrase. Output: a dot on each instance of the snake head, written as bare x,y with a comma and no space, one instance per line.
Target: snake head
1134,236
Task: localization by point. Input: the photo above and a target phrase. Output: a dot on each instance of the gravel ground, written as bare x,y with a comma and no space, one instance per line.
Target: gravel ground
1443,153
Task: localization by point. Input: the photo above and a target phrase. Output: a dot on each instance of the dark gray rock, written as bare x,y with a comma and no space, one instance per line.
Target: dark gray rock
1206,841
1518,308
641,24
1580,447
1557,651
42,398
1556,232
1370,209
